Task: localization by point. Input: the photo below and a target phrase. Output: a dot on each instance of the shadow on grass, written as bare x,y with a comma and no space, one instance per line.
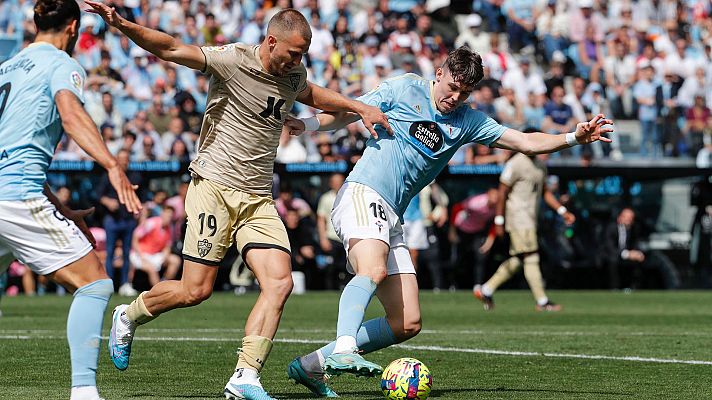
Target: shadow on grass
448,392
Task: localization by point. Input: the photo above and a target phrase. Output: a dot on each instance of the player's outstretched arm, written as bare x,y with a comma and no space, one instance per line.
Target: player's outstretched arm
80,127
555,205
329,100
164,46
537,143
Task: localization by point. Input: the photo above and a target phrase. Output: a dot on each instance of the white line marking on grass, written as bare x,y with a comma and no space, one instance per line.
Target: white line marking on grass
409,347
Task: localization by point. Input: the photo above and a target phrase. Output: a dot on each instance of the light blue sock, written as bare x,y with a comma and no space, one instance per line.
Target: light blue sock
86,316
374,334
352,305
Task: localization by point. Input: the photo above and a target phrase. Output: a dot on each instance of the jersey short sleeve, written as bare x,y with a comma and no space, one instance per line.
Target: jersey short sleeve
220,60
382,97
481,128
509,173
69,75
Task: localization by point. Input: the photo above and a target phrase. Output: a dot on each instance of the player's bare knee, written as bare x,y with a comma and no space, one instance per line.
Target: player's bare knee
195,295
278,289
377,273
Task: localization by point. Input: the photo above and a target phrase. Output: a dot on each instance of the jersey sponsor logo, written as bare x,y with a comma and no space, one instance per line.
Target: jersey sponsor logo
218,48
77,81
294,80
428,134
204,247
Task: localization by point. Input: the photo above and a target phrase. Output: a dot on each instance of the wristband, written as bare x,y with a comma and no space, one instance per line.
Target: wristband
625,254
571,139
499,220
561,210
311,123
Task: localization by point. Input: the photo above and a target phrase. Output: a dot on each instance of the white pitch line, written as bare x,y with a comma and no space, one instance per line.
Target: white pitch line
423,332
412,347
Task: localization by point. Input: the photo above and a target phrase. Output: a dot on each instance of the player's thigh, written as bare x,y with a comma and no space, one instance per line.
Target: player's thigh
399,295
211,214
364,222
198,278
368,256
263,242
523,241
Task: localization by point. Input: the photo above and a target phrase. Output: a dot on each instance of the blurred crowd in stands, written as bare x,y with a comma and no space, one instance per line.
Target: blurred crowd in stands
548,64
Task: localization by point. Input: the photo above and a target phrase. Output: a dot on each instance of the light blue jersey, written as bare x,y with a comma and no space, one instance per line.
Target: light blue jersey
412,212
30,127
398,167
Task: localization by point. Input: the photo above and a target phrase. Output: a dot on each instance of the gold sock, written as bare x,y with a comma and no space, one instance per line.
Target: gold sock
505,271
254,352
137,311
532,273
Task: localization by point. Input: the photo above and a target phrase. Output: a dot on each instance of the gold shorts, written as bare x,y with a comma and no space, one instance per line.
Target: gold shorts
522,241
219,216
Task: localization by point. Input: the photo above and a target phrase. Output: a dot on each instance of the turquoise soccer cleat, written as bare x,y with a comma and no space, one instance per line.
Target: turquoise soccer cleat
353,363
120,339
298,374
245,392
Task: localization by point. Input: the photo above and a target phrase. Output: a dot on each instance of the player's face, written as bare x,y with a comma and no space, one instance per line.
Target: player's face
286,52
449,94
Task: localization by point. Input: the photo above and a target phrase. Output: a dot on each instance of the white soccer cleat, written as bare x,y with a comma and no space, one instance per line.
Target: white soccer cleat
120,338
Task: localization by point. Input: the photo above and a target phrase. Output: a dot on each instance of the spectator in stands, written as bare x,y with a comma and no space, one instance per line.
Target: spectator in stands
484,102
698,124
136,76
106,112
119,224
473,36
104,74
151,247
520,23
524,80
669,111
329,241
212,32
290,150
286,201
620,71
351,143
471,232
552,28
157,114
590,55
534,112
644,92
510,111
558,116
107,133
325,148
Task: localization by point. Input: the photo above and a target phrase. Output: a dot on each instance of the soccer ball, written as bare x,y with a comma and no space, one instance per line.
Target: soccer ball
406,378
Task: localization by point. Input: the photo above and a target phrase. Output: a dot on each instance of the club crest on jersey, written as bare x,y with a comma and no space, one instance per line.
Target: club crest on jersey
294,81
379,224
204,247
417,108
76,81
427,135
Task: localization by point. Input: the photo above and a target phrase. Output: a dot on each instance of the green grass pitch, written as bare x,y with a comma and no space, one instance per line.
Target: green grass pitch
604,345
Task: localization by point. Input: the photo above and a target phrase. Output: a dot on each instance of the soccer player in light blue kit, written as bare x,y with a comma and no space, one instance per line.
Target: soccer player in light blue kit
430,122
41,95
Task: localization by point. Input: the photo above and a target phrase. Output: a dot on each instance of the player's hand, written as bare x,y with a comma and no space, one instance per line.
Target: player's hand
372,116
293,126
78,217
125,190
594,130
325,245
107,13
569,218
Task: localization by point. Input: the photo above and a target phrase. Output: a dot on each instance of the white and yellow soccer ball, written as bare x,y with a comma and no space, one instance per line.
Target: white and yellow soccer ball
406,378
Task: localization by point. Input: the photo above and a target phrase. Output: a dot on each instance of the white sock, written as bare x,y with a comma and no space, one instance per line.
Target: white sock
246,376
542,301
487,291
85,393
345,344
